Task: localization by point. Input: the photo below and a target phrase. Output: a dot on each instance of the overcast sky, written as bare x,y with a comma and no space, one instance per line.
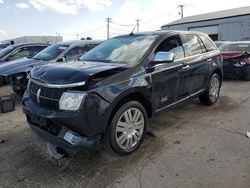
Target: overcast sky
88,17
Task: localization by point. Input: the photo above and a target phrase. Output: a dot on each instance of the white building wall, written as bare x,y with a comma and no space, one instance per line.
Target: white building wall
233,28
35,39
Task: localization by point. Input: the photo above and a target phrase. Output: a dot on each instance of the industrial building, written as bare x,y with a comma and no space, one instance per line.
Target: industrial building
231,24
35,39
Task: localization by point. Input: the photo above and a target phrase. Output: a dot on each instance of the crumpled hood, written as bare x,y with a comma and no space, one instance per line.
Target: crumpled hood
17,66
71,72
233,54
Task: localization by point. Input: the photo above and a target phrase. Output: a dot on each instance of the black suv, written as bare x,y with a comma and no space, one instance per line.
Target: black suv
108,96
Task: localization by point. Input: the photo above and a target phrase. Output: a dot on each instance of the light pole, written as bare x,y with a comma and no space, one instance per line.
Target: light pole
108,21
137,24
181,13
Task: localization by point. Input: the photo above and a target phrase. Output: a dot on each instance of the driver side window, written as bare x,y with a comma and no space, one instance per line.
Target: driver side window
172,44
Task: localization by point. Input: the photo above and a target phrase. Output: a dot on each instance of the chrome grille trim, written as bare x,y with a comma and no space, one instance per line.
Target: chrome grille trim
57,85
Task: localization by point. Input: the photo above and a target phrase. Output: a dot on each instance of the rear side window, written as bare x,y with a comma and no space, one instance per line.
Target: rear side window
36,49
209,45
75,52
192,45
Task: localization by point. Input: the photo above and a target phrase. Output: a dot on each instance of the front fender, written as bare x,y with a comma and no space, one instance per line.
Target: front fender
111,95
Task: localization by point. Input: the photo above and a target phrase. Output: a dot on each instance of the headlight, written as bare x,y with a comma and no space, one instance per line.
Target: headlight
71,100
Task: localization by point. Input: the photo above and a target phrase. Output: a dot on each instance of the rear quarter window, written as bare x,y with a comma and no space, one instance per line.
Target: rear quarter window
210,46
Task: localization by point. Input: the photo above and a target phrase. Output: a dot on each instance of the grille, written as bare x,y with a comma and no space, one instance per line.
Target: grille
48,97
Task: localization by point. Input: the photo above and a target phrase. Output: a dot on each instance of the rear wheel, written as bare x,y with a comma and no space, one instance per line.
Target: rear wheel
212,92
127,129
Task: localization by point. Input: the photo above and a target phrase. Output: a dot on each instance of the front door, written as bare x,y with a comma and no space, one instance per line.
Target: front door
166,78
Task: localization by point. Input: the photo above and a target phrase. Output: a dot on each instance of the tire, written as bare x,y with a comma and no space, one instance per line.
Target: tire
211,95
123,135
1,81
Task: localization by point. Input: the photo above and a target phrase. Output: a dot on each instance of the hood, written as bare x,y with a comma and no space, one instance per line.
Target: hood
17,66
233,54
75,72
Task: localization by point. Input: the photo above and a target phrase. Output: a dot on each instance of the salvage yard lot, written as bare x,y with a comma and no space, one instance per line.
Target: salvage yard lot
191,146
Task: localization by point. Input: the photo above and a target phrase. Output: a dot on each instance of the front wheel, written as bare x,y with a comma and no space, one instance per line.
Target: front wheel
1,80
127,129
212,92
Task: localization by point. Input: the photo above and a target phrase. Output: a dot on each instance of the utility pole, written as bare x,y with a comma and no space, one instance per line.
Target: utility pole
137,24
181,13
108,21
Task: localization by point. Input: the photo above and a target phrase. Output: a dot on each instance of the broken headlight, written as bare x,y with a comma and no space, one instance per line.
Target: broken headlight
240,64
71,100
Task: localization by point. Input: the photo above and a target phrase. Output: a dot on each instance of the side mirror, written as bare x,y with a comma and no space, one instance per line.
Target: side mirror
164,57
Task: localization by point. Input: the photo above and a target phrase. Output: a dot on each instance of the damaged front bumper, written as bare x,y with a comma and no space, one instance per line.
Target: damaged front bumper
67,130
235,70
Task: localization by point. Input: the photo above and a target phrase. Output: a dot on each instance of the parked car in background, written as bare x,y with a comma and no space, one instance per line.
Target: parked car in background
17,51
220,43
108,96
16,71
236,60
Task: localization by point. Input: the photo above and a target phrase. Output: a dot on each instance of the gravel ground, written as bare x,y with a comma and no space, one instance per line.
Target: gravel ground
191,146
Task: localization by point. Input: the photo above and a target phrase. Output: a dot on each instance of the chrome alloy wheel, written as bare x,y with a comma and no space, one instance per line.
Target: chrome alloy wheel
214,89
130,128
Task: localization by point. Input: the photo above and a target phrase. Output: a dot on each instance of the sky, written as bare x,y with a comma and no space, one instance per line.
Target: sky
74,19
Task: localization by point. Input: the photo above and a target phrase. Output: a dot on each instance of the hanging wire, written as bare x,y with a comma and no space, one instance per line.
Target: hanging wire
119,29
124,25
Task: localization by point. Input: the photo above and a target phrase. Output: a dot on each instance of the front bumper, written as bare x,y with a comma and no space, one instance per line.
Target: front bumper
77,143
53,126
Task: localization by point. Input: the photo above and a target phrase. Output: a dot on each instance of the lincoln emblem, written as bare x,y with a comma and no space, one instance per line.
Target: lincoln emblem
38,95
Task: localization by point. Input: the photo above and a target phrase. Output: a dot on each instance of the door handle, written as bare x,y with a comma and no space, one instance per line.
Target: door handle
186,67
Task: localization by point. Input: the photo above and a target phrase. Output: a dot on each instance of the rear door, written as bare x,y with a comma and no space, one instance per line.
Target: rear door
195,63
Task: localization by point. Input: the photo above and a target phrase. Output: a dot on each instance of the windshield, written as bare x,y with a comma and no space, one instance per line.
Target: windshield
125,49
51,52
6,51
235,47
